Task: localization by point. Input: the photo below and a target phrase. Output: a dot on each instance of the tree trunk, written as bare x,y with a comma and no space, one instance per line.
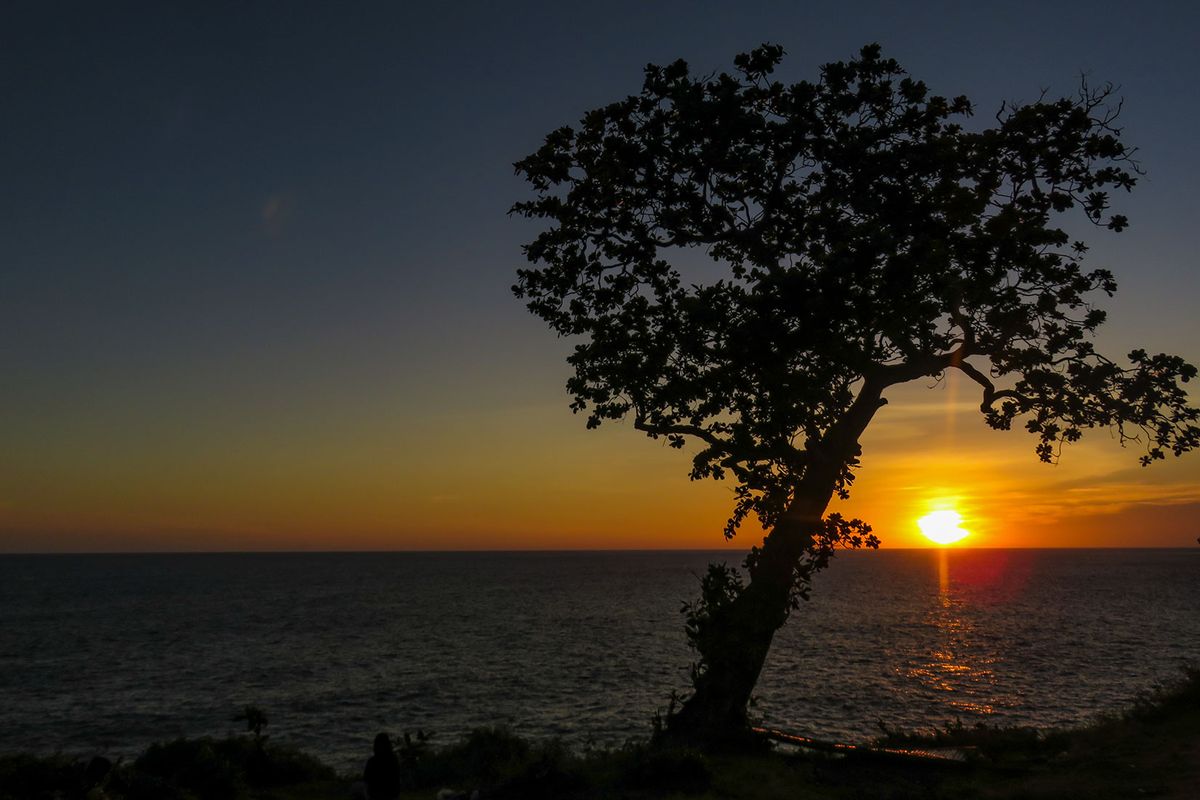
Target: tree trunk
715,714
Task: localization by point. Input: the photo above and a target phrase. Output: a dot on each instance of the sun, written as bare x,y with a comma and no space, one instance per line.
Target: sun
942,527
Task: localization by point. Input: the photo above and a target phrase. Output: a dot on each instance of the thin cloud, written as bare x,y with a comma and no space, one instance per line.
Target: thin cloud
275,213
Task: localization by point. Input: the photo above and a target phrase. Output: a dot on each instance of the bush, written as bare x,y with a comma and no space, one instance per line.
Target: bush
227,768
1168,700
208,768
666,769
24,776
494,759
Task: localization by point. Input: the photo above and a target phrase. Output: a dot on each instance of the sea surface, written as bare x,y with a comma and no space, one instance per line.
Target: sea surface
108,653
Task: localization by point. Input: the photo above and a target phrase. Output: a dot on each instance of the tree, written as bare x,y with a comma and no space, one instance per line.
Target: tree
867,239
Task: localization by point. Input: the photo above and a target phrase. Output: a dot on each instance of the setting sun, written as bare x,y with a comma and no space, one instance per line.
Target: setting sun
942,527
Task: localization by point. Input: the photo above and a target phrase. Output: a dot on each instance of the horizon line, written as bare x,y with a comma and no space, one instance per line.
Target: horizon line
536,551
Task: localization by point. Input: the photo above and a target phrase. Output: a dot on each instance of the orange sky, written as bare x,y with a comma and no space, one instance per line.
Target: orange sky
532,478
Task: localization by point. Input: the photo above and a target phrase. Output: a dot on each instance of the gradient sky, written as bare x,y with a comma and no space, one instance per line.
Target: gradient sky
255,267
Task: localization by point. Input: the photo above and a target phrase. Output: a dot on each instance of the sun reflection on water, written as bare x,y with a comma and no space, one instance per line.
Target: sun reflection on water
957,669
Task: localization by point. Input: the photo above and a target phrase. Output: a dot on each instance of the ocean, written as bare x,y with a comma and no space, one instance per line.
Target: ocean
108,653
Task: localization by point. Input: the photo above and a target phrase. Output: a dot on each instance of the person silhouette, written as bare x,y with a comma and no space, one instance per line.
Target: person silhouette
382,774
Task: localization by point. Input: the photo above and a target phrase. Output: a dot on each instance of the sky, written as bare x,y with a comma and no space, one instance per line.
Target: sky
255,271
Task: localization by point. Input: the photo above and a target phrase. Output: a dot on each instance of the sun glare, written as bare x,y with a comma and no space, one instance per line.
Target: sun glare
942,527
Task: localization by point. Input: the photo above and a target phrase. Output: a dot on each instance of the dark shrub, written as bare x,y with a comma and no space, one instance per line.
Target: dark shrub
203,767
667,769
25,776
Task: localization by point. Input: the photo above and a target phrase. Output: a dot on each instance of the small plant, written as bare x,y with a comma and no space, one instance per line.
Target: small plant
658,722
414,754
414,749
255,719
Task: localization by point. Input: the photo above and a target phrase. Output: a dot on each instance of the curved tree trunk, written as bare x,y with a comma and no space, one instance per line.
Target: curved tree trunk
715,714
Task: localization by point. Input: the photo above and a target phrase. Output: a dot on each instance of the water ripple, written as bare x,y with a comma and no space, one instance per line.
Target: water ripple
113,652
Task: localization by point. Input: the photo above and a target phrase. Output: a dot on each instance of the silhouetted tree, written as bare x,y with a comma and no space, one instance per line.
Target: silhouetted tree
865,239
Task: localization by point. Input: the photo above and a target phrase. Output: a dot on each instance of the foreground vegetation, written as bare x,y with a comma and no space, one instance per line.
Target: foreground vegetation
1151,750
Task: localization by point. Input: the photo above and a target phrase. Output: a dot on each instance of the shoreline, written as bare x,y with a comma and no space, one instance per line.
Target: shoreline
1149,749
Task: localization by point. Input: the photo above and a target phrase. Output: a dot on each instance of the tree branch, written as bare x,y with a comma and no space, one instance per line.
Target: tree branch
891,374
712,439
990,395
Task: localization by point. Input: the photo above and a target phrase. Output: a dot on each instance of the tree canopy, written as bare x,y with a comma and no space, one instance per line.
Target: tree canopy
870,235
